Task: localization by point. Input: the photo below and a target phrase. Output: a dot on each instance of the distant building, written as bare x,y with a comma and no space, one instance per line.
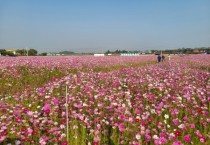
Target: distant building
99,54
12,51
49,54
148,51
198,51
129,54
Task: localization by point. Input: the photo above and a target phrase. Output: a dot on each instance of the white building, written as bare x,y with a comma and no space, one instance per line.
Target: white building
99,54
129,54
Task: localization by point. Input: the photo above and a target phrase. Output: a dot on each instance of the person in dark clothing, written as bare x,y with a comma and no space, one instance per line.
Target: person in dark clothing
163,58
159,58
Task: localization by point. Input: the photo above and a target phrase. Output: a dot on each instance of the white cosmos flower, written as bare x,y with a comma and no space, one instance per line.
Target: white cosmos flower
62,126
153,111
165,121
181,126
166,116
180,98
46,97
84,104
138,136
123,105
172,135
155,137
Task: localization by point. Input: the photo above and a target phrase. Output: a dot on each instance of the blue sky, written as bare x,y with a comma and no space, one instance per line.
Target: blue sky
99,25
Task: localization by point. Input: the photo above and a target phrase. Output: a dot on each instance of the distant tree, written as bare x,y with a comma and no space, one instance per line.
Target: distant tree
10,54
6,53
66,52
153,51
207,50
32,52
188,50
3,52
21,52
107,52
123,51
43,54
116,51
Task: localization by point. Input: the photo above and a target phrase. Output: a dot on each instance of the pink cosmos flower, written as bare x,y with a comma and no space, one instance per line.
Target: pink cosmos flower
177,133
97,132
187,138
137,111
198,133
46,108
121,127
18,119
4,133
97,139
156,142
30,131
115,84
192,126
30,113
202,139
148,137
121,117
163,140
177,143
55,101
16,112
2,138
25,110
175,121
185,118
150,119
64,143
47,111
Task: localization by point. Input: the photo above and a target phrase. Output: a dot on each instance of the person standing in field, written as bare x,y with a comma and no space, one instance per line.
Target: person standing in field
159,58
163,58
169,57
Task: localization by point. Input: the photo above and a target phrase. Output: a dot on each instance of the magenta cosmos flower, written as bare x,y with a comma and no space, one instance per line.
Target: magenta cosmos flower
187,138
64,143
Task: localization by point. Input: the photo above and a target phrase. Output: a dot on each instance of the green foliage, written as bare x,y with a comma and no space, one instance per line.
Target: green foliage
24,52
43,54
6,53
3,52
32,52
21,52
168,51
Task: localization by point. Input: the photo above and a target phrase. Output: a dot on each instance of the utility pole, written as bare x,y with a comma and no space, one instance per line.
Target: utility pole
26,51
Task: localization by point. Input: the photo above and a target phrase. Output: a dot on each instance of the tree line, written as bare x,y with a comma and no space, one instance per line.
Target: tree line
185,50
169,51
19,52
120,51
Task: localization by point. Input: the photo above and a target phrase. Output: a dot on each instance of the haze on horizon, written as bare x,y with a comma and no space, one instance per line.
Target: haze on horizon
93,25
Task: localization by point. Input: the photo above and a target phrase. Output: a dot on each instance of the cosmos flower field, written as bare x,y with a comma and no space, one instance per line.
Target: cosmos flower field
86,100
